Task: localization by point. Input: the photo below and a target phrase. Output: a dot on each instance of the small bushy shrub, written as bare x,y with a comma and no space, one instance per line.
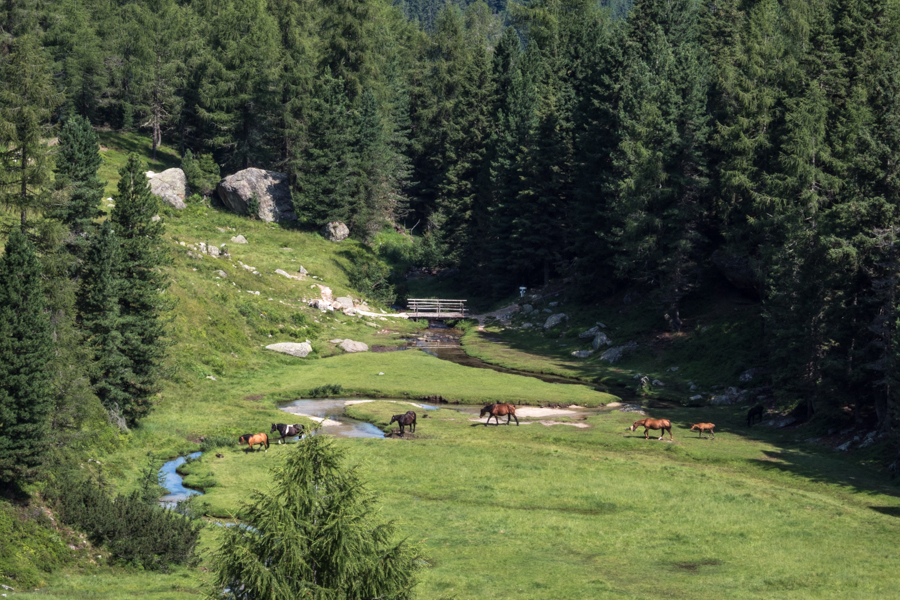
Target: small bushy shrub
323,391
134,532
202,173
218,440
253,207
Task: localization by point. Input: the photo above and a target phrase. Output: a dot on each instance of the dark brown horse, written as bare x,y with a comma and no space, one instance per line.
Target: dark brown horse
663,425
757,411
701,427
497,411
408,419
251,439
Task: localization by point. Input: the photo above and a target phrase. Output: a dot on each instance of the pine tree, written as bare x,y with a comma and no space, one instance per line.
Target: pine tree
28,98
26,349
316,535
102,285
76,166
141,301
349,42
325,162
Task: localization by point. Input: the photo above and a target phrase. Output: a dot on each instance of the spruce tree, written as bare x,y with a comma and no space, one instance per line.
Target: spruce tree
141,302
324,163
26,349
315,535
76,166
28,98
102,286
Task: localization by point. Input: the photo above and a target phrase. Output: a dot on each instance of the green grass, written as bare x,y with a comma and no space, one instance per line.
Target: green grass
116,146
560,512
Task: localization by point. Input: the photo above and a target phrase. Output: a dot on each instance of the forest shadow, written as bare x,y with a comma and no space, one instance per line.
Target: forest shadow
820,469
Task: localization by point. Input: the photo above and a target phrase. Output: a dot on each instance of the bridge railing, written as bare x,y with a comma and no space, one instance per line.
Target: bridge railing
436,307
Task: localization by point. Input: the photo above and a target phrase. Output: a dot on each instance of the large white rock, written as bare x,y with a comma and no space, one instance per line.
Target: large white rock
294,349
335,231
238,239
170,186
351,346
270,187
345,303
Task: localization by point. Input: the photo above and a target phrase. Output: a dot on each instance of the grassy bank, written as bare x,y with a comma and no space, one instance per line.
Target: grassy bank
556,511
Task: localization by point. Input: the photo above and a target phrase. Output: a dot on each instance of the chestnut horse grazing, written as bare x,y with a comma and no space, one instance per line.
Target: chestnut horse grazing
251,439
704,427
408,419
498,410
662,424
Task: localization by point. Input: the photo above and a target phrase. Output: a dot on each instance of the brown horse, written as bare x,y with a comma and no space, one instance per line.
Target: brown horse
498,410
252,439
407,419
662,424
704,427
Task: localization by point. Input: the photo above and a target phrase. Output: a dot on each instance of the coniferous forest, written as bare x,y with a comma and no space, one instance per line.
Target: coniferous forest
614,144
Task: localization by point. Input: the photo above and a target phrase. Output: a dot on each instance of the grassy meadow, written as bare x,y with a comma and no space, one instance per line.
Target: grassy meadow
538,511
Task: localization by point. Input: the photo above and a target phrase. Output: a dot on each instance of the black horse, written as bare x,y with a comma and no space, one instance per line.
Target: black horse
408,419
286,431
753,413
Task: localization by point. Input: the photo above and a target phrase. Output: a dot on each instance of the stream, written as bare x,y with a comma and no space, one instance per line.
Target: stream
441,342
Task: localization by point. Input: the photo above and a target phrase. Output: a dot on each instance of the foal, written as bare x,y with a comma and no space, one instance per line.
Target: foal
704,427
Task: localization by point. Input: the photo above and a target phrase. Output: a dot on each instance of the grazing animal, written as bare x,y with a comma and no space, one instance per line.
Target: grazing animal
286,431
406,419
704,427
756,411
498,410
251,439
663,425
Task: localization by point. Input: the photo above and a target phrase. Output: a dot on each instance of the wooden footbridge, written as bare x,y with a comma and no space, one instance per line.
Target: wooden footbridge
435,308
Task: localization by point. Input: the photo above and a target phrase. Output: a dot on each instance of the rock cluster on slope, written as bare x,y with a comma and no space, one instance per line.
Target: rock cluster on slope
270,188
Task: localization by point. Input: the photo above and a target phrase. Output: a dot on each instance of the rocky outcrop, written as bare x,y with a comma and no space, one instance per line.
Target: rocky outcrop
351,346
616,353
270,188
170,186
294,349
600,339
554,320
731,395
335,231
343,303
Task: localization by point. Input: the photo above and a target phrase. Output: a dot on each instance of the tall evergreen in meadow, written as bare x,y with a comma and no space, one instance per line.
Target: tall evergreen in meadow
141,301
102,286
28,98
26,349
76,167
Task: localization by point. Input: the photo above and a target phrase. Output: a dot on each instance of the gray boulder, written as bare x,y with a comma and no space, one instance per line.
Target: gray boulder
589,333
321,304
351,346
239,239
270,188
335,231
294,349
731,395
170,186
345,303
527,308
616,353
554,320
600,340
